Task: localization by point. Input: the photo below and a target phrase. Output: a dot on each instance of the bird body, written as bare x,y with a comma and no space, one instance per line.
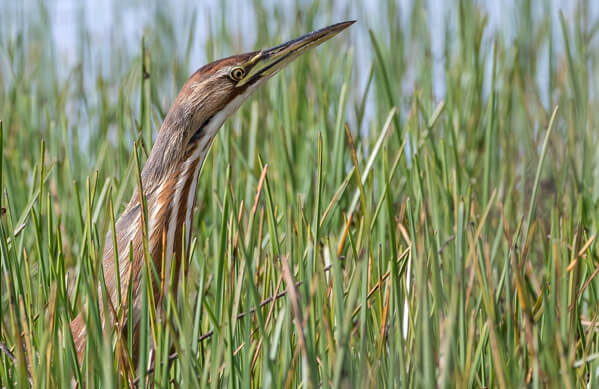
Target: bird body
170,175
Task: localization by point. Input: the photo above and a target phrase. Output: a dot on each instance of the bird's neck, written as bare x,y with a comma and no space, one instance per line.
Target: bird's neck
181,201
171,204
169,179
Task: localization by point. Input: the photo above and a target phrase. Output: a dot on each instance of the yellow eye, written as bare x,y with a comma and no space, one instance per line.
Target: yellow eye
237,73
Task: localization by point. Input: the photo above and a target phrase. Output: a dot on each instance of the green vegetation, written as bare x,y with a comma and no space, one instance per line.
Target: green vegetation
467,222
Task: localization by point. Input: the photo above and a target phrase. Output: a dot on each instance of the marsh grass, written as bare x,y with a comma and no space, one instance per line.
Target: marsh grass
347,234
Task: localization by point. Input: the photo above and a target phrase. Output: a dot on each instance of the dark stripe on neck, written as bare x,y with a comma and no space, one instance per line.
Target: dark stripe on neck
196,135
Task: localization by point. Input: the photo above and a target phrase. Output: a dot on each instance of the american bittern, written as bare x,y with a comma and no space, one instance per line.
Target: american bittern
170,175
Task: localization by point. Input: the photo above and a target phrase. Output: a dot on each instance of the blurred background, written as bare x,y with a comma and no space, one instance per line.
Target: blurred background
101,38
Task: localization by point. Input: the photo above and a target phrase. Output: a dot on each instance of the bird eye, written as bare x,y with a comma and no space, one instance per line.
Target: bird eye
237,73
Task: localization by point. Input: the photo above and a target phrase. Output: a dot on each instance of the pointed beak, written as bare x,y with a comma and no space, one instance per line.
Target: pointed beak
268,62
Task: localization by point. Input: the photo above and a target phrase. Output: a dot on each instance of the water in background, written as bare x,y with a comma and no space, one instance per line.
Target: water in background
110,24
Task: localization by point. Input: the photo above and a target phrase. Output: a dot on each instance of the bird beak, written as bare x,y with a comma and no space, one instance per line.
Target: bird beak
268,62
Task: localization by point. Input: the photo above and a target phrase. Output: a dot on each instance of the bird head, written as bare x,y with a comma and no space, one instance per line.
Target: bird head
215,91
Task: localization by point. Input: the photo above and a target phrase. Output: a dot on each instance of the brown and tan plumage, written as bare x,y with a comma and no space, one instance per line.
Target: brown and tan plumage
170,175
